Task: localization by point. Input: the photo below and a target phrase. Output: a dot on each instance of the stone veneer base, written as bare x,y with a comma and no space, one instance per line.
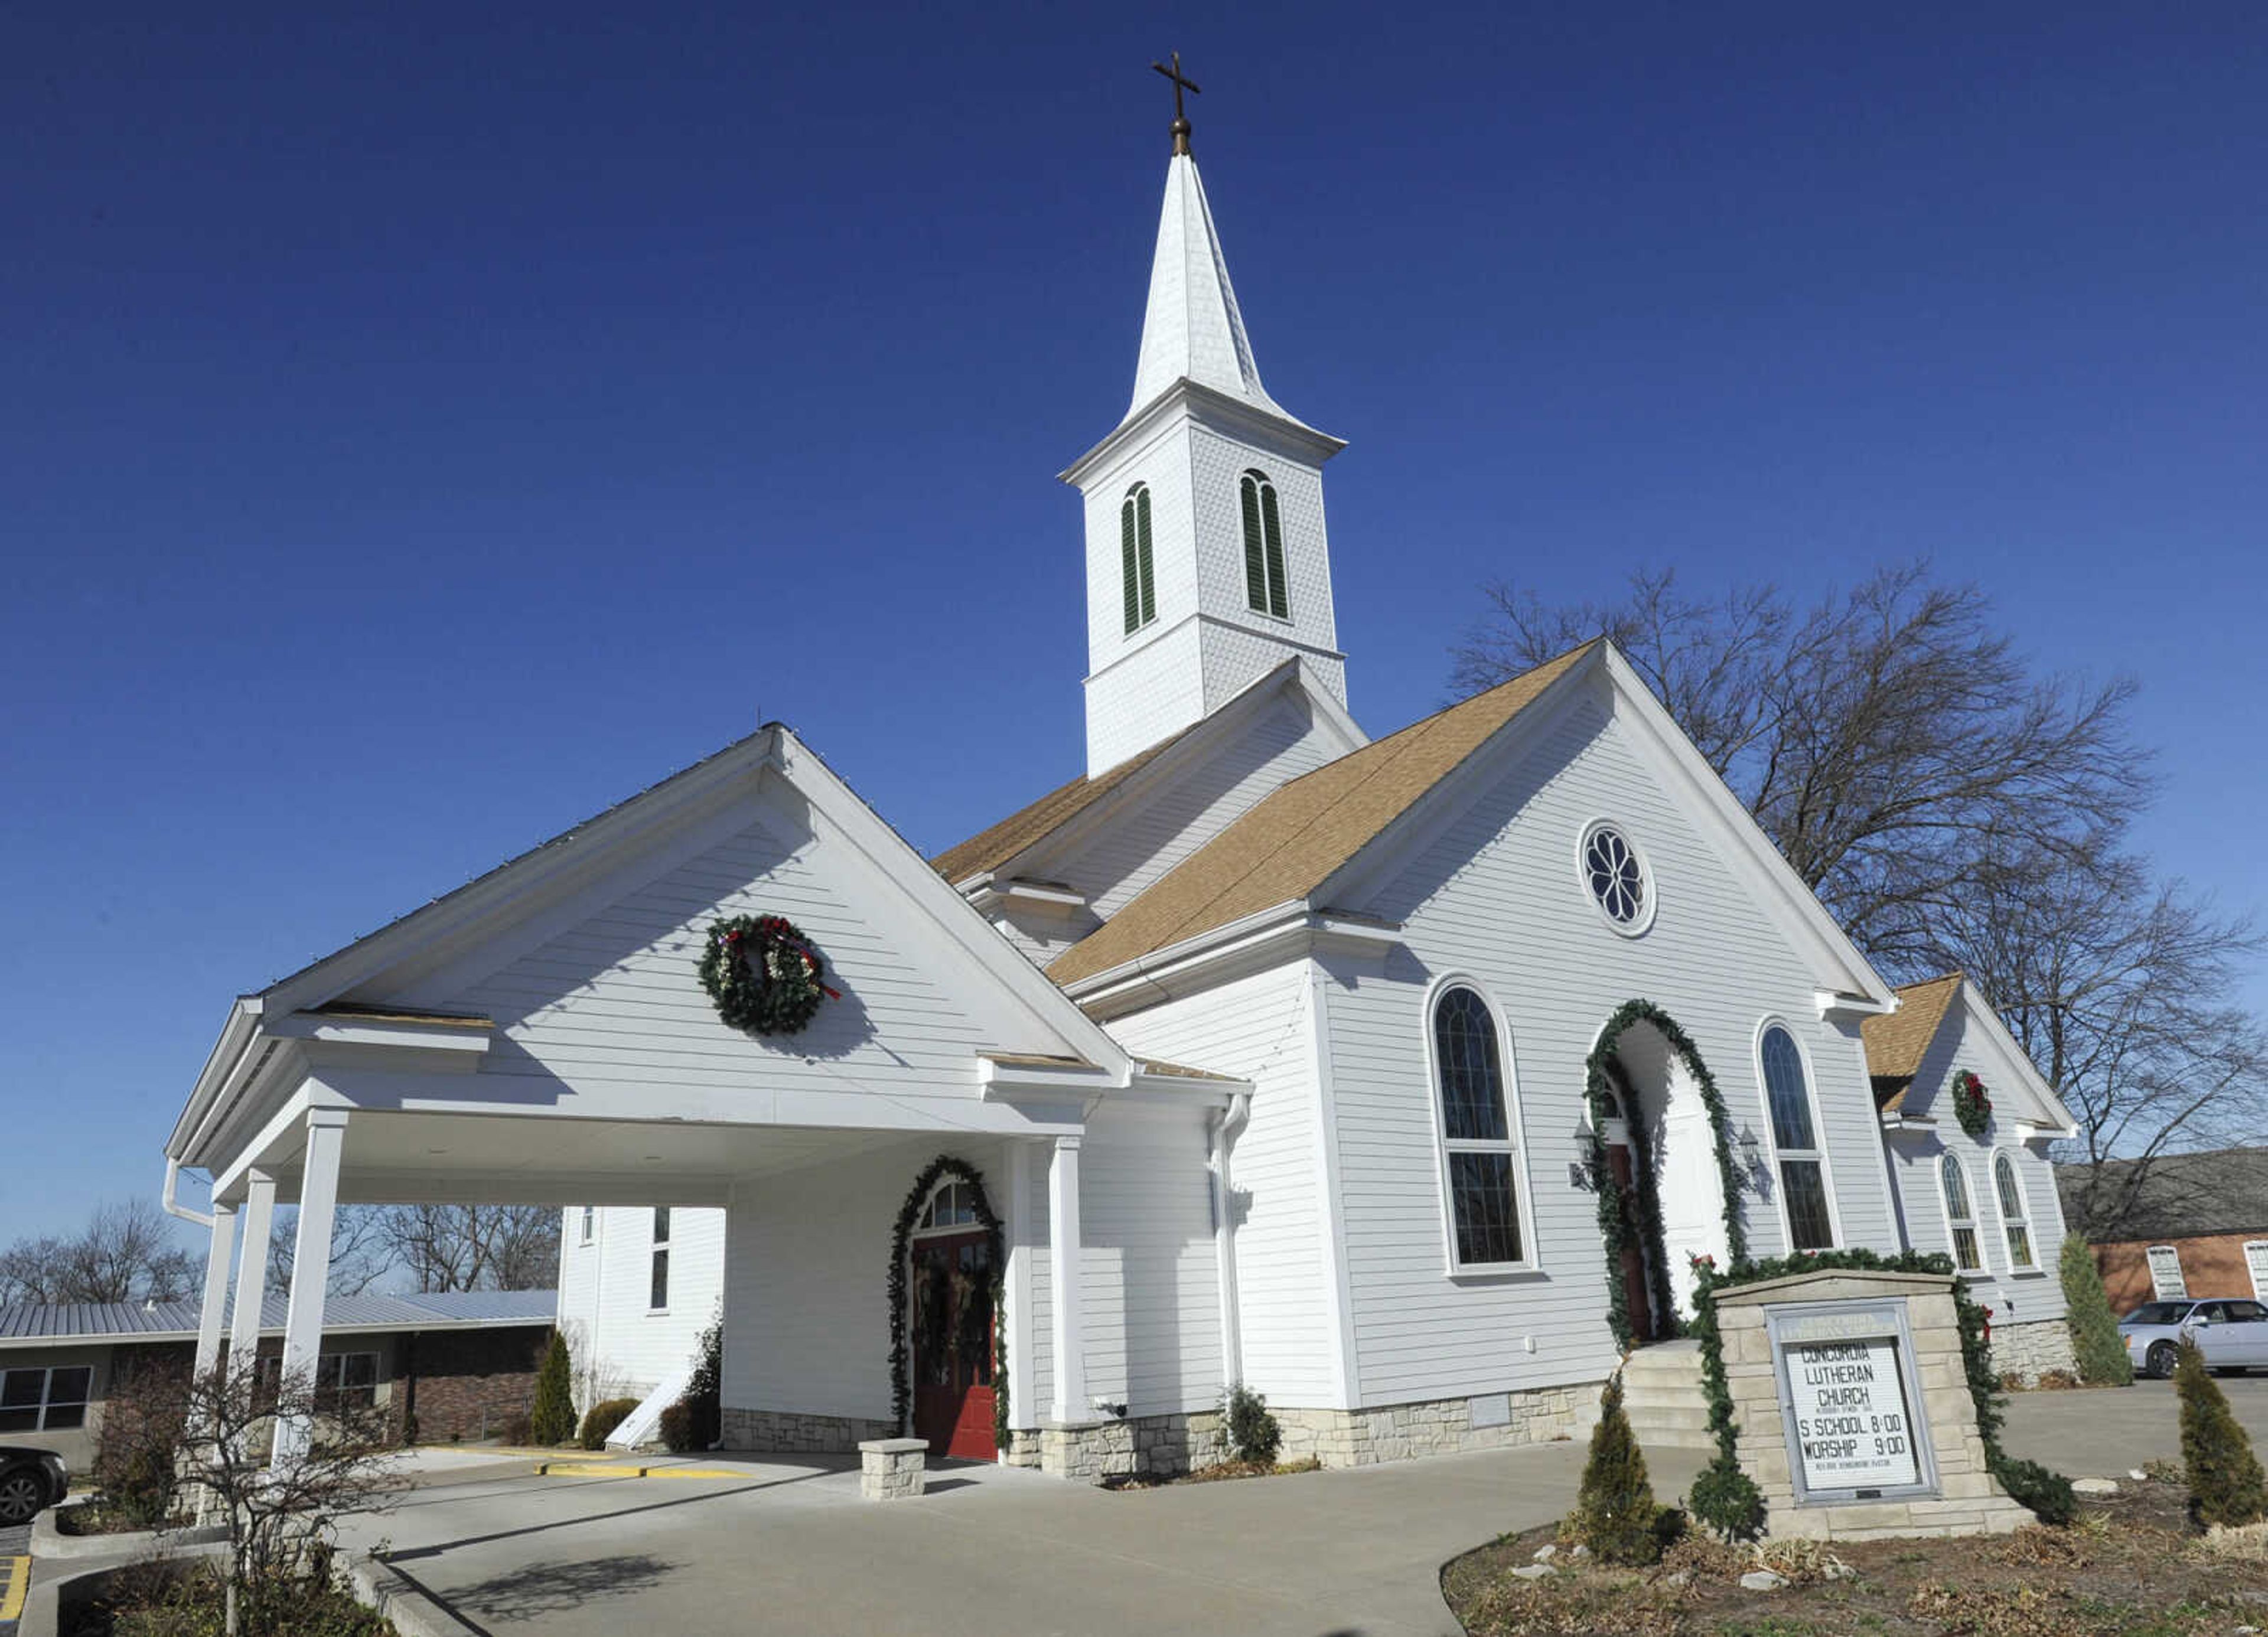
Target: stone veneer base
2030,1351
786,1432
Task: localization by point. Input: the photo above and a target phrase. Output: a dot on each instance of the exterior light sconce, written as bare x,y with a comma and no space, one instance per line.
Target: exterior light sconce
1757,1172
1583,1172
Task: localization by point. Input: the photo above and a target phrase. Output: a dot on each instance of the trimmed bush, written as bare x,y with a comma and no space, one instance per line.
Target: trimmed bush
1615,1514
2225,1485
599,1421
142,1424
677,1429
703,1397
1254,1436
2095,1340
551,1418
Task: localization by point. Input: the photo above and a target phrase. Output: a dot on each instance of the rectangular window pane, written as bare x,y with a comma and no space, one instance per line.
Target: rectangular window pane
2020,1245
19,1420
70,1386
20,1387
1487,1217
1807,1205
661,1224
660,1291
358,1370
1964,1247
62,1417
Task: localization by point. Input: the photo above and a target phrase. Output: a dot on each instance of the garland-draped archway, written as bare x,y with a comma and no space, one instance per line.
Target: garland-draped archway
1603,1076
902,1391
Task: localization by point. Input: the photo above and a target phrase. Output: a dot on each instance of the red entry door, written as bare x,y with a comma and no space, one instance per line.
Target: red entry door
1637,1301
951,1290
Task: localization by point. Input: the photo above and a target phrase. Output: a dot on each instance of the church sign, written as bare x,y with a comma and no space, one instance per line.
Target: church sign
1848,1400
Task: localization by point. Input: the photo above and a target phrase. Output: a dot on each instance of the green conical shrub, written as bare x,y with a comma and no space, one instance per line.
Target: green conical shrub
551,1420
1615,1515
2095,1343
2225,1485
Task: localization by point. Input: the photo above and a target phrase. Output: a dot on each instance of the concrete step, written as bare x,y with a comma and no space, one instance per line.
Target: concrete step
1673,1438
1638,1399
1669,1416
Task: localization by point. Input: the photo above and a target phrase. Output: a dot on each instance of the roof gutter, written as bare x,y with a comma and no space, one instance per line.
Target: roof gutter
1292,918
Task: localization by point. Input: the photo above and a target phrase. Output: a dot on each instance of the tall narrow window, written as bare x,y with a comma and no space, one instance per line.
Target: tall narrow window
1141,584
1477,1143
658,1294
590,1220
1802,1167
1960,1215
1263,546
2166,1281
2012,1211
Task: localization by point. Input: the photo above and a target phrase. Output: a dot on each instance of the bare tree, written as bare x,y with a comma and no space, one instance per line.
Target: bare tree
1890,741
360,1249
127,1252
475,1247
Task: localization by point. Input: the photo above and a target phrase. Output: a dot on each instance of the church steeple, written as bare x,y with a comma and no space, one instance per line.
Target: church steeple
1208,565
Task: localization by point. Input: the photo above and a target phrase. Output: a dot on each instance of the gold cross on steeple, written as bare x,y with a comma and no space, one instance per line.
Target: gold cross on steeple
1180,120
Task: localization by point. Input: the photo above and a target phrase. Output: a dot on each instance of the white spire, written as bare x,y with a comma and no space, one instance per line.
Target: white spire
1192,328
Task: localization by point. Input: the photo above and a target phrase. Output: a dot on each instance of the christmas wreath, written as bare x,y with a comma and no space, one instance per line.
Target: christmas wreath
764,974
1970,1106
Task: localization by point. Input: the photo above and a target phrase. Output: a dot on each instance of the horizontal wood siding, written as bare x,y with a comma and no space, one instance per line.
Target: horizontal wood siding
1257,1029
1496,896
604,1286
1151,1309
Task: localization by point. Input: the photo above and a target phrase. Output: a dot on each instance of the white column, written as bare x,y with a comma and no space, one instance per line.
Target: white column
311,1265
1223,1250
213,1318
1022,1338
1064,1282
251,1274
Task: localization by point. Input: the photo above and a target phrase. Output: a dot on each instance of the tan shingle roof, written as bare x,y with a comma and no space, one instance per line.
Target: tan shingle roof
1291,843
992,848
1896,1044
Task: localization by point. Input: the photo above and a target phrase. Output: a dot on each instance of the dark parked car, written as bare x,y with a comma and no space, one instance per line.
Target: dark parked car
29,1480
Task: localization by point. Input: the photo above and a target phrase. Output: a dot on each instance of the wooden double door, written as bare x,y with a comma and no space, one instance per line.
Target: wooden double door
950,1288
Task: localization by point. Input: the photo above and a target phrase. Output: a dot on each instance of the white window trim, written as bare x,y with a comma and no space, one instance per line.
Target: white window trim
1523,1193
1992,1159
1140,485
1817,1151
2252,1271
1945,1212
1640,928
2179,1271
1287,618
974,1225
664,1242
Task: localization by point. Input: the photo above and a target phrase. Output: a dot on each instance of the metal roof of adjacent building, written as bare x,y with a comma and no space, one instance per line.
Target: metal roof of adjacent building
2170,1196
168,1321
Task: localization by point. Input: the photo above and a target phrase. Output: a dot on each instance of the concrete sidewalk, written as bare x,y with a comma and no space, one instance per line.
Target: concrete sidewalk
989,1552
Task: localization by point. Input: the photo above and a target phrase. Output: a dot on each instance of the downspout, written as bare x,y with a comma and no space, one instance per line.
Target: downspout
1222,1128
172,1180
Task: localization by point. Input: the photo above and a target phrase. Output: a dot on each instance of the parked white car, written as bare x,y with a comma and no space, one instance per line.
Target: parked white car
2233,1334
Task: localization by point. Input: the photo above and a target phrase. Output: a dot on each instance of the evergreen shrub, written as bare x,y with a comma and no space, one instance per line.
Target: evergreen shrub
702,1424
1615,1515
2095,1342
2225,1485
677,1429
551,1418
1254,1436
600,1420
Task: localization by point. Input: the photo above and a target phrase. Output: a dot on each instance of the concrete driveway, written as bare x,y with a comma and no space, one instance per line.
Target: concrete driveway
2104,1433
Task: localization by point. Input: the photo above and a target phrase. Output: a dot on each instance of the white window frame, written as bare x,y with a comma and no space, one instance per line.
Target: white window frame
2256,1268
929,1230
47,1403
2157,1290
1136,492
586,1224
1947,1156
2000,1211
1818,1152
331,1373
662,1232
1515,1143
1636,929
1259,501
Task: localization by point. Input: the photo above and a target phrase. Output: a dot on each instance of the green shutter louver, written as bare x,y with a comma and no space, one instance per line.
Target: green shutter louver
1142,529
1138,584
1255,573
1278,598
1127,571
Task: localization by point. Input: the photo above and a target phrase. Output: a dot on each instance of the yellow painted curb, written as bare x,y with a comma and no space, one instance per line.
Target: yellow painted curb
18,1582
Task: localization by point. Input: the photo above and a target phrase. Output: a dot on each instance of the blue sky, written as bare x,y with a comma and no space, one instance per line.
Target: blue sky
428,425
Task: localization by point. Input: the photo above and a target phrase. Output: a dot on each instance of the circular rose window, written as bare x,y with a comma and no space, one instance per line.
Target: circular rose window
1617,878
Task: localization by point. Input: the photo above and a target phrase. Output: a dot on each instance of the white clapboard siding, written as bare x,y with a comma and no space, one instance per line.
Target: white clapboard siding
1496,897
1259,1029
2013,1298
618,1342
1150,1294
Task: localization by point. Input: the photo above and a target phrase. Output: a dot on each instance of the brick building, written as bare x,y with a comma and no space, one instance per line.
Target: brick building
2177,1225
462,1364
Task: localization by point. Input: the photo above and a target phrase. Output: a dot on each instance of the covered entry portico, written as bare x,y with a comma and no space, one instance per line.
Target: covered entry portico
541,1037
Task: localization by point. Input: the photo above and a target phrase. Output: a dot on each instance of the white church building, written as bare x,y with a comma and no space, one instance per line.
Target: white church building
1259,1052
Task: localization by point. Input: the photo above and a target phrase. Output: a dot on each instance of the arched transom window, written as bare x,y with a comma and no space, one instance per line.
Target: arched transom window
954,1205
1960,1215
1795,1139
1481,1168
2013,1221
1141,584
1264,545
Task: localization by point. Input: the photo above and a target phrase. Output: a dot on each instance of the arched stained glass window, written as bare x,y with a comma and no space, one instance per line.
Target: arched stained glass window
1481,1161
2013,1221
1960,1215
1264,545
1802,1164
1141,585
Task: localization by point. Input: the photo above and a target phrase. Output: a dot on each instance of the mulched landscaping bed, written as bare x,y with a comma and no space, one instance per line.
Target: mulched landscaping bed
1214,1474
2130,1567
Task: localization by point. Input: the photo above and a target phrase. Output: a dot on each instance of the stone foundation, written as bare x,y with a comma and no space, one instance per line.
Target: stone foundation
1167,1445
786,1431
2029,1351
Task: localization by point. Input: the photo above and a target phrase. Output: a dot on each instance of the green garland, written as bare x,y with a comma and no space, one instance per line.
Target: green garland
901,1392
1725,1498
1616,1223
764,974
1970,1104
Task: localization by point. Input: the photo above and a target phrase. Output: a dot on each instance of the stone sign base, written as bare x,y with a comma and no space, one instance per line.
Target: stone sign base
893,1469
1950,1493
